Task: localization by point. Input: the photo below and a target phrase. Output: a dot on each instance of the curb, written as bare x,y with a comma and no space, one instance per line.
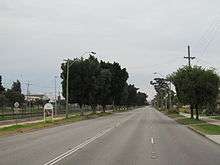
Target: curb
194,130
202,134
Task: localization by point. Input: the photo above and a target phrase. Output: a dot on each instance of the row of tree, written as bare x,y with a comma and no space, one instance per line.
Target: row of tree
165,97
10,96
93,82
195,86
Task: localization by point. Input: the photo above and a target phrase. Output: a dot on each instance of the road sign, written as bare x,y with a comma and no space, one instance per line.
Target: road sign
47,107
16,104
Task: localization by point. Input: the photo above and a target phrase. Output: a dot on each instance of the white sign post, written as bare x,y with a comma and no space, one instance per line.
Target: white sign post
16,105
48,107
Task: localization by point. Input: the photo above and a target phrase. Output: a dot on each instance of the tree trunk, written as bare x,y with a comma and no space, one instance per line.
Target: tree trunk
104,108
191,111
81,110
93,109
197,113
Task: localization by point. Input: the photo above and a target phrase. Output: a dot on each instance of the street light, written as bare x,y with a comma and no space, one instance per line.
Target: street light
55,94
68,65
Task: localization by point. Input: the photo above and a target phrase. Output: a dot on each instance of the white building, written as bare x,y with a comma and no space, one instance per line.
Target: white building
34,97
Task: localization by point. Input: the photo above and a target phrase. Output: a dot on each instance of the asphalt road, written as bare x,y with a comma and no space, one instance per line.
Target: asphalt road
140,137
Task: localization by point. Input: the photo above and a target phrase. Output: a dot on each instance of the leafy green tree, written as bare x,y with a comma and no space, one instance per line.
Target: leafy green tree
16,86
141,99
14,94
124,96
162,89
90,80
83,75
2,89
132,95
104,88
119,78
118,83
196,87
76,84
3,101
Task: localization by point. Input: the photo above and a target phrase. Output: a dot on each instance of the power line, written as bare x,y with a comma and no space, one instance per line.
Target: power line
207,63
208,36
210,41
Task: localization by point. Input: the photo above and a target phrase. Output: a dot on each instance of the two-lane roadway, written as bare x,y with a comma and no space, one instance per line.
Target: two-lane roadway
139,137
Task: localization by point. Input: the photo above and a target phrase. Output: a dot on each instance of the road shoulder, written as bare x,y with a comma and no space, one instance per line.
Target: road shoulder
201,127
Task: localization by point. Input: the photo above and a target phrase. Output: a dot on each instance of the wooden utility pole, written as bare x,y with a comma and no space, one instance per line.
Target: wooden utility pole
189,63
189,57
67,87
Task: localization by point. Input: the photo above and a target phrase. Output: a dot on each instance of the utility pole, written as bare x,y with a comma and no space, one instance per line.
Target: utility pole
27,95
189,57
189,63
67,87
28,91
68,64
55,94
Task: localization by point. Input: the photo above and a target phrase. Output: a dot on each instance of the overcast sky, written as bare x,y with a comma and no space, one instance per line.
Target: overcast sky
145,36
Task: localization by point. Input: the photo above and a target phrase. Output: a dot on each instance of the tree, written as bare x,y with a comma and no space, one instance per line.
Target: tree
124,95
104,88
14,94
3,101
162,88
141,99
196,86
90,78
132,95
76,86
118,83
83,75
92,82
2,89
16,86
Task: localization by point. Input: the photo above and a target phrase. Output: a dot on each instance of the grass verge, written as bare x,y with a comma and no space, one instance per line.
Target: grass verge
199,126
208,129
174,116
189,121
216,117
21,128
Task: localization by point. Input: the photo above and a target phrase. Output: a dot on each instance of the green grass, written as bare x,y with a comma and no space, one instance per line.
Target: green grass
216,117
20,128
189,121
175,116
5,118
209,129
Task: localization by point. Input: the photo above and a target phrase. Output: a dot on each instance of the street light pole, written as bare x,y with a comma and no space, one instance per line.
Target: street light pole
67,88
67,81
55,94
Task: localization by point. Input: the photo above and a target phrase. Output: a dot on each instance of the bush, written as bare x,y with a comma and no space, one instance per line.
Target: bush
173,111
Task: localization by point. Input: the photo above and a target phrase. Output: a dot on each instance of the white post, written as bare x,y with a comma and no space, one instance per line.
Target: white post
44,116
52,115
